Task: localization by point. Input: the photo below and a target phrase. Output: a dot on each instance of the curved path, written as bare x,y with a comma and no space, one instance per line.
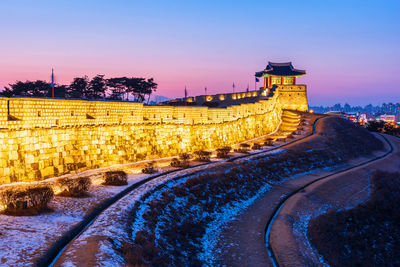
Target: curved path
287,236
59,249
243,241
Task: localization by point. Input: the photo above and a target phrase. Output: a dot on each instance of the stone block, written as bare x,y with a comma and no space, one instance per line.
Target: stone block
78,146
47,172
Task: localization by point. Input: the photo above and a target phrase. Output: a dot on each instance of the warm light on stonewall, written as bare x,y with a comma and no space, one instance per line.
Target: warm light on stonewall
43,138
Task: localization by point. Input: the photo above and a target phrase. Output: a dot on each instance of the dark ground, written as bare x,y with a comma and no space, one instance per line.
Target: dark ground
368,235
182,226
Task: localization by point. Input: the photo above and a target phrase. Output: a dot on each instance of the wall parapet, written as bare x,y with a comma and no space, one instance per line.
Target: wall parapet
43,138
26,113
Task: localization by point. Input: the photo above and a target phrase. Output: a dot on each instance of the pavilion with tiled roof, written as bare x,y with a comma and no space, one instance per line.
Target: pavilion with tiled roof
280,74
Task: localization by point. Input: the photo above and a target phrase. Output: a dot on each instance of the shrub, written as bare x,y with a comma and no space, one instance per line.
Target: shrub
185,157
384,127
115,178
223,152
268,142
256,146
73,187
376,126
25,200
281,139
244,148
202,155
175,163
149,168
182,162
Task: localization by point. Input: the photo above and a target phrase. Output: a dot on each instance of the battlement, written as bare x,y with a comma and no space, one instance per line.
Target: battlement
42,138
26,113
219,100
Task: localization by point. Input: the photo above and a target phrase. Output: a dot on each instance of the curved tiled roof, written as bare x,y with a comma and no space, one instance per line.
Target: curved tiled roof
280,69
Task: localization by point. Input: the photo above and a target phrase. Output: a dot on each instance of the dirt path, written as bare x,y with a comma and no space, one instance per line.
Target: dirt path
242,241
342,191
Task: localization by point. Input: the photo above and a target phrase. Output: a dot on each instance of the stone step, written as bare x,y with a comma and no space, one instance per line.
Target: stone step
290,118
291,121
274,137
293,115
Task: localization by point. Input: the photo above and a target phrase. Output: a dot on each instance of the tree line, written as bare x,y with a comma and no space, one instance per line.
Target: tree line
386,127
121,88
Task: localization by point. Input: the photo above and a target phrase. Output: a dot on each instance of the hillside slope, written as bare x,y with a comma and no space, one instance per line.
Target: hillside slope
175,223
366,235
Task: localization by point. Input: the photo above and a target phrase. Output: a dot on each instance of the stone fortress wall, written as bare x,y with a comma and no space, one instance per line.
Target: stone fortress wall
42,138
293,97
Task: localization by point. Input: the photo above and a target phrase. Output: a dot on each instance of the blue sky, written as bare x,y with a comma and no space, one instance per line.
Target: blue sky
350,49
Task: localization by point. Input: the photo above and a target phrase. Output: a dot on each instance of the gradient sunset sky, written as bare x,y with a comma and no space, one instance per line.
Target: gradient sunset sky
350,49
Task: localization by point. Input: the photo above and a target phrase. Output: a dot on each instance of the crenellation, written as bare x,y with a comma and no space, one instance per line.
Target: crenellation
39,112
44,138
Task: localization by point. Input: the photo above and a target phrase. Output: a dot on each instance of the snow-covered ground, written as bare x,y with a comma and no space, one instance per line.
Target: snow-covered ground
167,209
26,239
300,222
112,225
111,230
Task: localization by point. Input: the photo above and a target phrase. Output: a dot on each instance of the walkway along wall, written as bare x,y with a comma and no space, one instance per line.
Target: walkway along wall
42,138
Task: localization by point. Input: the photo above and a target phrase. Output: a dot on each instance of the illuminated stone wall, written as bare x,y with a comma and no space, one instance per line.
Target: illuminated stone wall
293,97
223,99
42,138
